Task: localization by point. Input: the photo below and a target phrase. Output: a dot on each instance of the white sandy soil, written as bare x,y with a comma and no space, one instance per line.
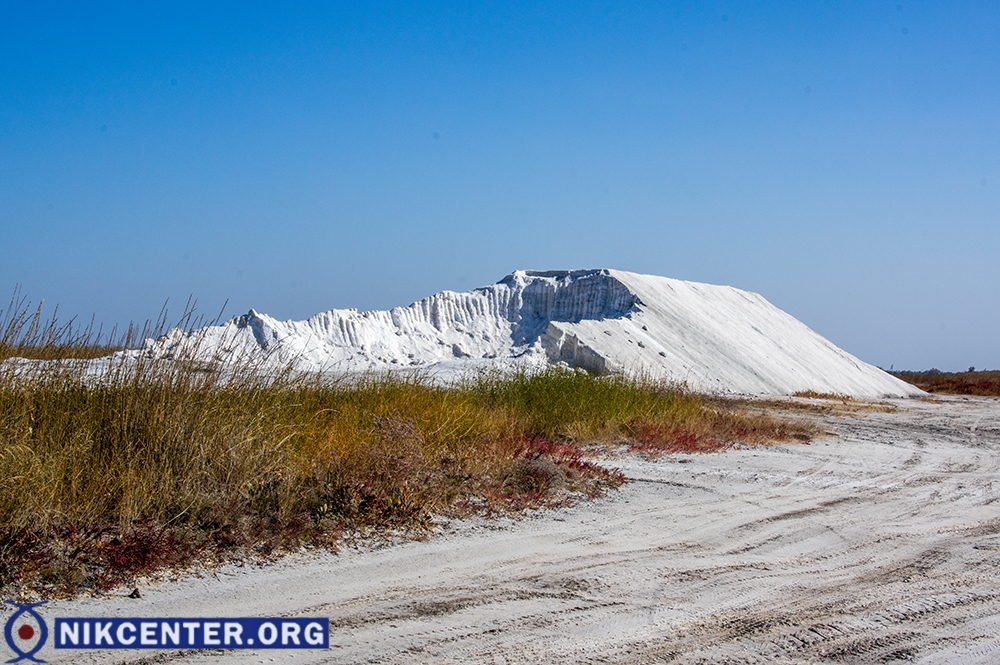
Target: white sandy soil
877,543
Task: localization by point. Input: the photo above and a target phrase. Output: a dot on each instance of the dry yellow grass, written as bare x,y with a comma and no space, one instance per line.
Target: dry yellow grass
151,463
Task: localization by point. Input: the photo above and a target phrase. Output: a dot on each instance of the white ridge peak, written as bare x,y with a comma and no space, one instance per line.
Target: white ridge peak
713,338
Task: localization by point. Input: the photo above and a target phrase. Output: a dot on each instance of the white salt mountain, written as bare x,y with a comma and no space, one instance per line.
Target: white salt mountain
711,338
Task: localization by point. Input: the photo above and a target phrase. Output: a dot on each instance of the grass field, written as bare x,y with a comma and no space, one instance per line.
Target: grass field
154,464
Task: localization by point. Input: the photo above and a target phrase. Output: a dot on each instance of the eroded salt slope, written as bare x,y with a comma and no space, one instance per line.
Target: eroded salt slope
714,338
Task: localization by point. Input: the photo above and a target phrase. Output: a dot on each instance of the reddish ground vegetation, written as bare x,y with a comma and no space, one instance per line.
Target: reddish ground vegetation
666,438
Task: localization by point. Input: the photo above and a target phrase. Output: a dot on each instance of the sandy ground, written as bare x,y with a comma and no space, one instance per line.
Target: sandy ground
877,543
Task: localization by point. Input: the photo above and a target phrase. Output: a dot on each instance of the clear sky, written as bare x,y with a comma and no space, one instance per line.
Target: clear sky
840,158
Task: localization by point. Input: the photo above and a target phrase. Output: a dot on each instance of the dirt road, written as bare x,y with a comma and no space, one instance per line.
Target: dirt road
876,544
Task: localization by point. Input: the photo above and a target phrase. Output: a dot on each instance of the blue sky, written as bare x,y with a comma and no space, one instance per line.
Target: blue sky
842,159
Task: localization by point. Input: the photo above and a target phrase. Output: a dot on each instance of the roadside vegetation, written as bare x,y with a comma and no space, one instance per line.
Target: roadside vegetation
143,465
985,383
810,401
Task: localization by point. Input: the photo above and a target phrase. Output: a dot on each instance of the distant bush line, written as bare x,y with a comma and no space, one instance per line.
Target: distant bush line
985,382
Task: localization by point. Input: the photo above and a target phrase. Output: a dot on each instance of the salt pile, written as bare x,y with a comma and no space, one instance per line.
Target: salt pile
712,338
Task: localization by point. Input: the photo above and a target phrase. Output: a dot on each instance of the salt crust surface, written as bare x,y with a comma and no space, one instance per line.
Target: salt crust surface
713,338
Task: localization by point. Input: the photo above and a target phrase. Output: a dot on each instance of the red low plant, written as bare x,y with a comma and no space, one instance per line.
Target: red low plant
667,438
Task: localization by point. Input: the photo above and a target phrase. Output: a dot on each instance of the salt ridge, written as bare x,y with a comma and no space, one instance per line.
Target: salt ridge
713,338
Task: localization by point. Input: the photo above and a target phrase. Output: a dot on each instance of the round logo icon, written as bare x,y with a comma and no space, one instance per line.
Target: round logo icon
25,632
